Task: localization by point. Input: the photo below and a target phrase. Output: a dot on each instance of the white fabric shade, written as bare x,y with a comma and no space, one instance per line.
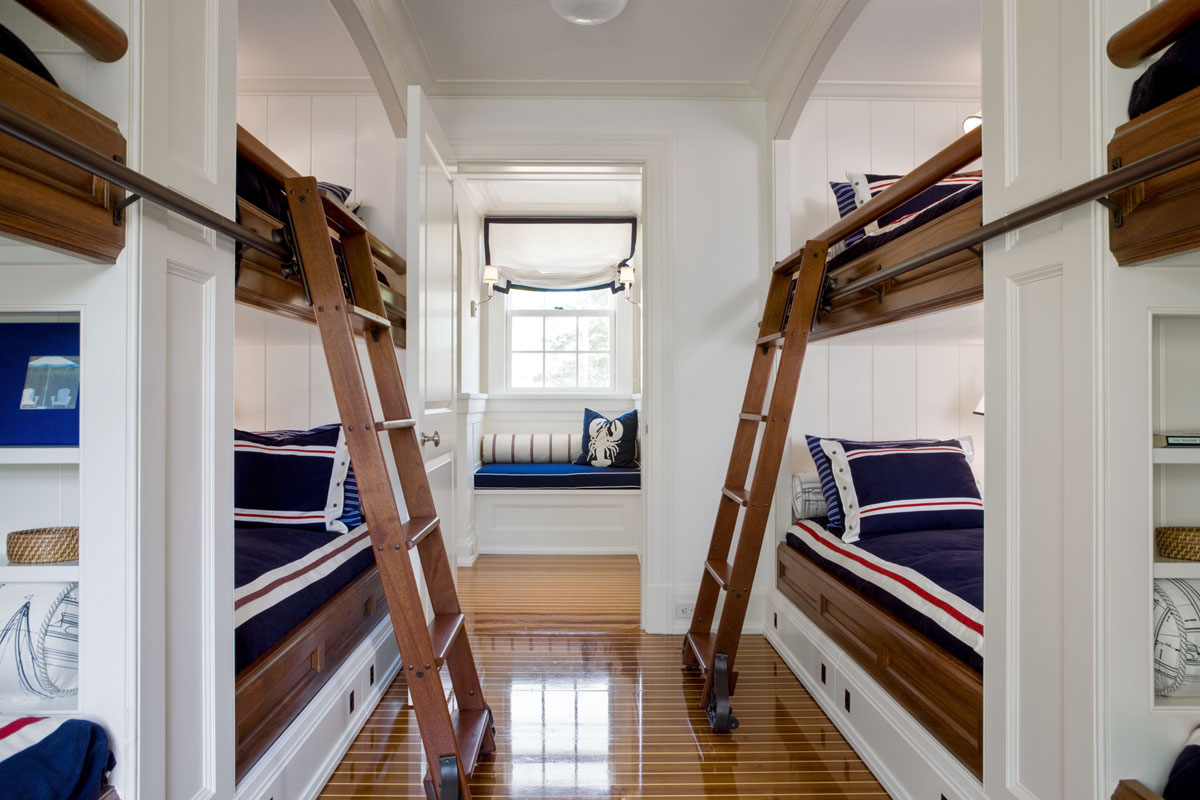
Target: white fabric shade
558,254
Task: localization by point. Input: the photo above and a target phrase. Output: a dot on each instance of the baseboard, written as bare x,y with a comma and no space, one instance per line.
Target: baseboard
755,609
945,773
468,548
287,770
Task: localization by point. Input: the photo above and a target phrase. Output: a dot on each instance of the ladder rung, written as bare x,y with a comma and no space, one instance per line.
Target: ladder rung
343,217
753,417
417,529
395,424
702,645
363,320
442,632
470,728
739,496
722,571
775,339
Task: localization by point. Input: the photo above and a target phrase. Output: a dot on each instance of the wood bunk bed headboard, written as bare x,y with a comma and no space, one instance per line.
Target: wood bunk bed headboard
265,282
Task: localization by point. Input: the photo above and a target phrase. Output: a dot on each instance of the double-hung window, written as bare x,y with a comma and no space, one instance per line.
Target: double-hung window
560,341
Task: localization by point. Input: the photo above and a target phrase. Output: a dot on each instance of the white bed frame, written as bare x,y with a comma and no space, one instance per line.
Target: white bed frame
559,521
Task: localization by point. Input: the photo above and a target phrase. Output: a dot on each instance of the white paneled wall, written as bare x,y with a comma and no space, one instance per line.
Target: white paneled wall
888,137
344,139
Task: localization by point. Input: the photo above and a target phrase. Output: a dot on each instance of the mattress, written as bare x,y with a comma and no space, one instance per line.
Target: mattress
282,575
556,476
932,580
868,243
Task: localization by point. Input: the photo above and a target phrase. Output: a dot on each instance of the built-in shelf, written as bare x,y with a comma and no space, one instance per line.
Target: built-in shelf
63,572
1189,704
1177,455
1176,568
47,706
39,455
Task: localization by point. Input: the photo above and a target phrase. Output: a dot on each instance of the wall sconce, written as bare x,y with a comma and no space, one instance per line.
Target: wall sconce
491,274
625,276
979,408
972,122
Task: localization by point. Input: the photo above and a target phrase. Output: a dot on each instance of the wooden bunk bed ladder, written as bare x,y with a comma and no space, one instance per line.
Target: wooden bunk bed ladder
453,740
779,352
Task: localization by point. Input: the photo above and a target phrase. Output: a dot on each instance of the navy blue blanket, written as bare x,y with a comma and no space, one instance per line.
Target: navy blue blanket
283,575
869,243
556,476
46,758
933,580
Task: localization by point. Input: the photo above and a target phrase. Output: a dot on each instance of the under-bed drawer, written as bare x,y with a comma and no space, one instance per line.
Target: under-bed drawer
277,686
936,688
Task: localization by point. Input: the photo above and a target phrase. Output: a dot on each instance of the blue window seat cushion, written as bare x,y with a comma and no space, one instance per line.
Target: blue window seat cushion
556,476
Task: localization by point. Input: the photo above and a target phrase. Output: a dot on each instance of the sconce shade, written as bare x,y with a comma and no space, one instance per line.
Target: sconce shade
491,273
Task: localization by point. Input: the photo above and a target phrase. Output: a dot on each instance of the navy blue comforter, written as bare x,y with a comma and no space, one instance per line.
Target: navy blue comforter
949,559
281,575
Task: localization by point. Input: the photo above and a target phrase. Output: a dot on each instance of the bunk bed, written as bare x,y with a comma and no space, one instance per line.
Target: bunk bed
942,689
56,199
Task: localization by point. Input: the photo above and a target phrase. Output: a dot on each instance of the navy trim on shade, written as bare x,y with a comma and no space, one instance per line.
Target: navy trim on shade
35,427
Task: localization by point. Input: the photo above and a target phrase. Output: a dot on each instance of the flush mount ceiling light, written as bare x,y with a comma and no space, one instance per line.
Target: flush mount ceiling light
588,12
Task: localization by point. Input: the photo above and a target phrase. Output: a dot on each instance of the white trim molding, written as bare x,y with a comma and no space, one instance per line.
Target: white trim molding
896,90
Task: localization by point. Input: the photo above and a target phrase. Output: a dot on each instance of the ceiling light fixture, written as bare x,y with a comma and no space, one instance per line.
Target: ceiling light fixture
588,12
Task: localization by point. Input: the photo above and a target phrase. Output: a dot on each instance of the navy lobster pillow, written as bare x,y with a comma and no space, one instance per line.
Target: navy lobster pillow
609,442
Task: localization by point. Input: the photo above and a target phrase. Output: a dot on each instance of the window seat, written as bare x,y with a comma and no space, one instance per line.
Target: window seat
556,476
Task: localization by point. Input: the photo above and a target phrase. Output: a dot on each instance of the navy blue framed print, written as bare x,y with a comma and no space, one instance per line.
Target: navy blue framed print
39,384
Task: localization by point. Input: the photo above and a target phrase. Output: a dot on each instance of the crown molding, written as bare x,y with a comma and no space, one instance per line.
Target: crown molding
896,90
306,85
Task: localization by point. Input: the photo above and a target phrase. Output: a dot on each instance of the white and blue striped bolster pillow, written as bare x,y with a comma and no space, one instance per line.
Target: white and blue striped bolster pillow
531,448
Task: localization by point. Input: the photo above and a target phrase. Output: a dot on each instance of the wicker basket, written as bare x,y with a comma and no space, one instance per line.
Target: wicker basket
1178,542
43,545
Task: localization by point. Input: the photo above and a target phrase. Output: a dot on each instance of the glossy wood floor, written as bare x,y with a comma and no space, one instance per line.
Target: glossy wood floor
587,706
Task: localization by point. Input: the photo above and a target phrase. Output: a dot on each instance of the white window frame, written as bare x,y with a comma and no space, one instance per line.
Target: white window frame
614,342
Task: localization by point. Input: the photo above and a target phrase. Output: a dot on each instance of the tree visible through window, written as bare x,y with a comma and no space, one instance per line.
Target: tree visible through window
560,340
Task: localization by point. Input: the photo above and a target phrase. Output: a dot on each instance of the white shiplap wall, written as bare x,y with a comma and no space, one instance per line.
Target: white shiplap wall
887,137
918,378
344,139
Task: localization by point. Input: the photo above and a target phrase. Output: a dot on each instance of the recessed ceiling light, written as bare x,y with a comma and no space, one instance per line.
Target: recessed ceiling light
588,12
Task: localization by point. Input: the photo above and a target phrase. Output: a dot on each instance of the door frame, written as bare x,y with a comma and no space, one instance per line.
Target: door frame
655,154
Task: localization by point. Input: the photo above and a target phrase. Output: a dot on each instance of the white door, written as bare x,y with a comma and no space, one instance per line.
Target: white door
432,307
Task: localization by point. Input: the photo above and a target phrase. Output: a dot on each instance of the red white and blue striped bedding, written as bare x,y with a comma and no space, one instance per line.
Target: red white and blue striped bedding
53,758
933,580
282,575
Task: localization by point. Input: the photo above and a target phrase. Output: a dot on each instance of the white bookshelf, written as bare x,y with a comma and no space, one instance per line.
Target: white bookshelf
39,455
62,572
1176,568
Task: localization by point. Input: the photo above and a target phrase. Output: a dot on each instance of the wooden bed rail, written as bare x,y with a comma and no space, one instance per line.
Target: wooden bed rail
1152,31
21,126
84,24
961,152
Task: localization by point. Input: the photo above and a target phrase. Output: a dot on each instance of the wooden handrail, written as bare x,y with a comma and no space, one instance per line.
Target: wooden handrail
1152,31
83,24
958,154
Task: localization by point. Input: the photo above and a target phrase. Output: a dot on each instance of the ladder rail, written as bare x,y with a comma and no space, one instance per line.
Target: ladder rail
440,730
790,311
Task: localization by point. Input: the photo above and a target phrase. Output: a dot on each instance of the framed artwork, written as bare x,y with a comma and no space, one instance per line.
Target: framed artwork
39,384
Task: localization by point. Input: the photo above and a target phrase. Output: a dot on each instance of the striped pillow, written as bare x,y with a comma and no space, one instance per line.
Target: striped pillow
867,186
847,201
294,479
889,487
531,448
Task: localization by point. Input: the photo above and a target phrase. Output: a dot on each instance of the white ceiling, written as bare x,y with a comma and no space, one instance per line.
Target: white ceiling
294,39
910,41
534,194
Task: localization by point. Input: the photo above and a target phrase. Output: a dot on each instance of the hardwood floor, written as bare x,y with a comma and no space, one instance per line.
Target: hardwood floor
588,706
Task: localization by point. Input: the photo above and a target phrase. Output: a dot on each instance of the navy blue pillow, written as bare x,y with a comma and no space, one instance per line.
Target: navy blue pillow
1184,780
609,442
295,479
890,487
846,203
